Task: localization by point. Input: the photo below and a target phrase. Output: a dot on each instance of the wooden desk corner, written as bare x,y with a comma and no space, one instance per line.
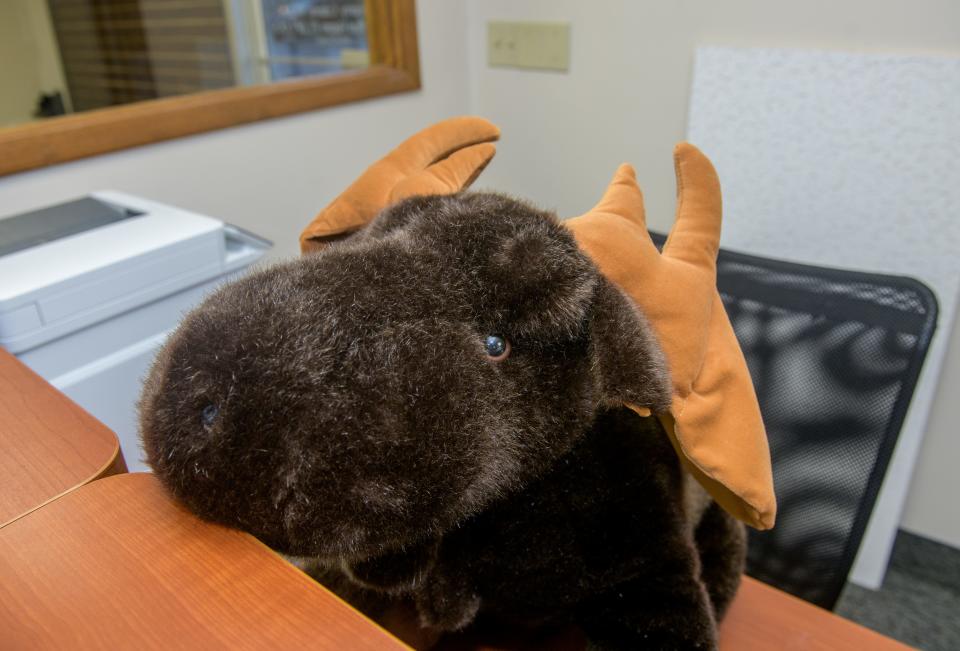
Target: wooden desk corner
48,444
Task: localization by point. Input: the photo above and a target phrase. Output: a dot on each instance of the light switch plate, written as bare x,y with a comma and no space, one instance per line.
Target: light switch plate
541,46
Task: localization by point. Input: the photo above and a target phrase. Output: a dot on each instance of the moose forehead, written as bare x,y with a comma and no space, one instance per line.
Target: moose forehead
471,227
498,255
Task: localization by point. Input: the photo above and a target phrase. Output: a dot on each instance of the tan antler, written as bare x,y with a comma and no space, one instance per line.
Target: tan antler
714,420
695,236
442,159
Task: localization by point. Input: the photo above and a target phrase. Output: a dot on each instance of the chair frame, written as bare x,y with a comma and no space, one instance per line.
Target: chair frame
923,325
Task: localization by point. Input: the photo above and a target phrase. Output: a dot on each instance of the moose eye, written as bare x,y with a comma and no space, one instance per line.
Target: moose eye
209,416
497,347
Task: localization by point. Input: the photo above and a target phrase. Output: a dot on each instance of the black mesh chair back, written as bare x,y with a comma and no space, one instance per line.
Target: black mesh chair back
834,356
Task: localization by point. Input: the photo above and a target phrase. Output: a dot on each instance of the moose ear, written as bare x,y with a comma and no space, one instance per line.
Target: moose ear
627,359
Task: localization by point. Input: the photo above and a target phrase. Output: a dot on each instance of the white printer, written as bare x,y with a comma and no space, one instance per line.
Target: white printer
91,288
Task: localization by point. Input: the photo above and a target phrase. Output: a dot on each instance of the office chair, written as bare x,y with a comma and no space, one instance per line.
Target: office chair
835,356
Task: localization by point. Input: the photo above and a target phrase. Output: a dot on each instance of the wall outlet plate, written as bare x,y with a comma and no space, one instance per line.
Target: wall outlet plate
539,46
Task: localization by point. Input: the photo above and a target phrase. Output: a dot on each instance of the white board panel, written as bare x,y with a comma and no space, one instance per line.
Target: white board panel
845,160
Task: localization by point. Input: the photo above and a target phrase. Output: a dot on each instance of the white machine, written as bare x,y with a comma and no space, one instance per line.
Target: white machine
91,288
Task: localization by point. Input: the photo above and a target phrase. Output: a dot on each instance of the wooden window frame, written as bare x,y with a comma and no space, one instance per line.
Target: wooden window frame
394,68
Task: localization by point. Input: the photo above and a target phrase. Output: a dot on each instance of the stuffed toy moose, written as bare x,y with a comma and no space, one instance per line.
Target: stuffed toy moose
458,404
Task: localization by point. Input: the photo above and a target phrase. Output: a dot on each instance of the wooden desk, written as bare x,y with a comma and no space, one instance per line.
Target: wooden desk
762,617
48,444
116,564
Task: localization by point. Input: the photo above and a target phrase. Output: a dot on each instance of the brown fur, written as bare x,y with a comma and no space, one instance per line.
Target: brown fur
361,422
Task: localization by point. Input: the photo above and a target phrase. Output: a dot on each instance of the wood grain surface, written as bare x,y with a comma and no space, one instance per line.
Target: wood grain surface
762,617
117,565
48,444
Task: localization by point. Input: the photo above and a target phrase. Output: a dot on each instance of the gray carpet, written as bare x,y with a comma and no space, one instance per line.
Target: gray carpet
919,603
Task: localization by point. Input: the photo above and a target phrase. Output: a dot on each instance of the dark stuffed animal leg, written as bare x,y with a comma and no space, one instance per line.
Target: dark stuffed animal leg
445,603
668,611
371,603
397,614
722,543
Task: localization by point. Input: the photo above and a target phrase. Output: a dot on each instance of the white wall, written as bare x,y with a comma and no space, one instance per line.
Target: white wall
931,509
626,98
272,177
